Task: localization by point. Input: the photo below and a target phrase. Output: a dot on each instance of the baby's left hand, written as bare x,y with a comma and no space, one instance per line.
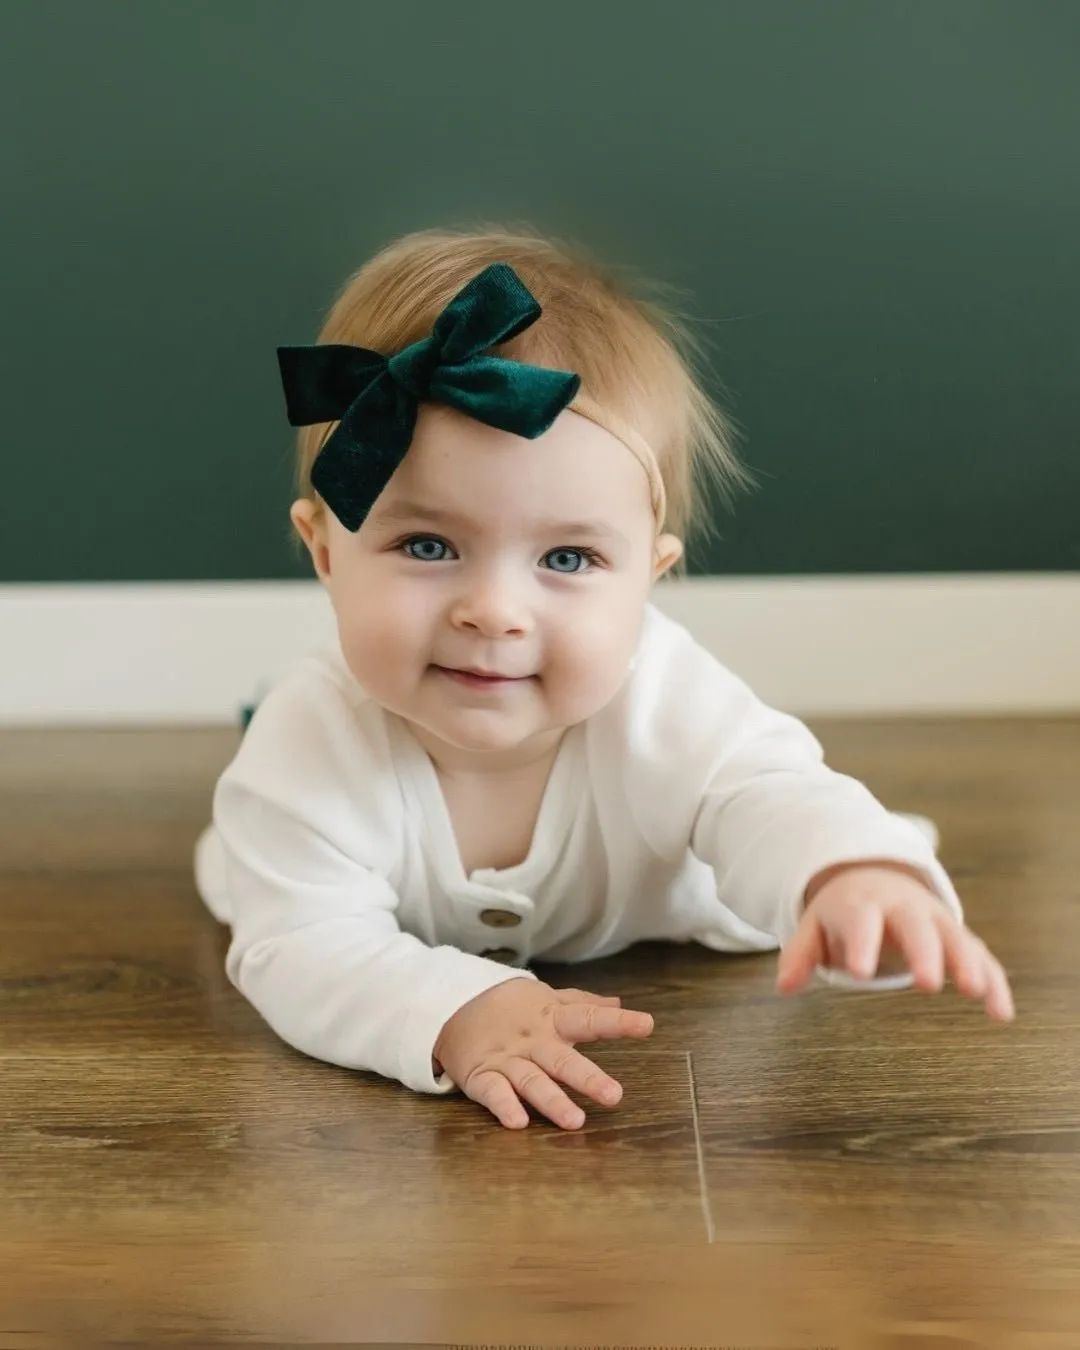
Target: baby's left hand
857,912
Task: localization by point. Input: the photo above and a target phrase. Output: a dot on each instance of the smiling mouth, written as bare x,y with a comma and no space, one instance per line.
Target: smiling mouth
481,679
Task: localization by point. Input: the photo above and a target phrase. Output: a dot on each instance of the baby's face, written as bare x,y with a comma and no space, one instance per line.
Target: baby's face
495,594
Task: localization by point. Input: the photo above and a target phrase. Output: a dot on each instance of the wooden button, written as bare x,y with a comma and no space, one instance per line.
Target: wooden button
503,954
499,918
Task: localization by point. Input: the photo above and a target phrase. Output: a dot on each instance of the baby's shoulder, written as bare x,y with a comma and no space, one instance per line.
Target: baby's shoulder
315,739
653,747
676,694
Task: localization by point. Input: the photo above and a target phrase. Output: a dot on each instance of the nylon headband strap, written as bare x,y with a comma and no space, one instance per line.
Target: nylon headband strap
634,442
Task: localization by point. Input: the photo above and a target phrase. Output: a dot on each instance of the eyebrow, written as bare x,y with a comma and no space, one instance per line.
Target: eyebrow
405,511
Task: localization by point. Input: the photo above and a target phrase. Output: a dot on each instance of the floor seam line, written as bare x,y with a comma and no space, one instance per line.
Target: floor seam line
703,1188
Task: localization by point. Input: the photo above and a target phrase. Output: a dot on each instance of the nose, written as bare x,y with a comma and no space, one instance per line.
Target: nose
489,603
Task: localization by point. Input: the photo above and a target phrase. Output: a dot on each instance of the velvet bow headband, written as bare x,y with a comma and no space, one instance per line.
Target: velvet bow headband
375,399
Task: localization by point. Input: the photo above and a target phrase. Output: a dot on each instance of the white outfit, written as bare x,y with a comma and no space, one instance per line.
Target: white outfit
685,810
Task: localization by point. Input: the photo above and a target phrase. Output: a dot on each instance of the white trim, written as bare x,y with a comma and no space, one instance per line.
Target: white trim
149,653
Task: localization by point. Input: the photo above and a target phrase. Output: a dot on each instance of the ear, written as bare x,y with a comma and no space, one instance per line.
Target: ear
310,522
669,550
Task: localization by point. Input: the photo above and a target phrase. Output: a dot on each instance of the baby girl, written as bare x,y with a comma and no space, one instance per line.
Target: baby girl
508,752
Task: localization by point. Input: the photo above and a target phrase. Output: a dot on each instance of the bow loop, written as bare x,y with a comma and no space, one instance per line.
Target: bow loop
321,382
506,394
492,308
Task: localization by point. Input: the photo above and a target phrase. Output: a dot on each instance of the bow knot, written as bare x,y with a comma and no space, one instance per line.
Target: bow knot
375,399
414,368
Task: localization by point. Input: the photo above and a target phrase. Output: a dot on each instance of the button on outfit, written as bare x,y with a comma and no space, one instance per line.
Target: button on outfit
499,918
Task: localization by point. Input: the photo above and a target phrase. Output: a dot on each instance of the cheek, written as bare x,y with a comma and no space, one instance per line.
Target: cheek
382,632
592,653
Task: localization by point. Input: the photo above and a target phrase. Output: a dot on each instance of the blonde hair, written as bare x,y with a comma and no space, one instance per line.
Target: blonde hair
636,354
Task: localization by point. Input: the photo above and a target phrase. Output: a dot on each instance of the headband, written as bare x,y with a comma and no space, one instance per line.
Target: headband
375,399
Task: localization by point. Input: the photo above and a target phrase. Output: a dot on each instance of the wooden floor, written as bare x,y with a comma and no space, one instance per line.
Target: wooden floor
836,1169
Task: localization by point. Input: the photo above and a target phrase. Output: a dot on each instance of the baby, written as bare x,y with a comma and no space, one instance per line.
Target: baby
508,752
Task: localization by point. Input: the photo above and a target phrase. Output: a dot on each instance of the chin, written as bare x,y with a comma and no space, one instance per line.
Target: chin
481,740
482,734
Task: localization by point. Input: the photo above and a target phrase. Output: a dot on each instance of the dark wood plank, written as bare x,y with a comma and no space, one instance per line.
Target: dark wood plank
106,800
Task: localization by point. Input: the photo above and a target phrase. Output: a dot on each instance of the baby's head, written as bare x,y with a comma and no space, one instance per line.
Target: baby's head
491,553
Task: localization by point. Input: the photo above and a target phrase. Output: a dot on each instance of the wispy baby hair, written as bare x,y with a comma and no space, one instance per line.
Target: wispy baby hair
635,352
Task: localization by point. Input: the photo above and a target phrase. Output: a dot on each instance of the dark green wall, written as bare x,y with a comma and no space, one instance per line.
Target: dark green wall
874,205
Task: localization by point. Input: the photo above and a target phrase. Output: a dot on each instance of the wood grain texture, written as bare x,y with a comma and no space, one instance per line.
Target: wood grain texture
834,1169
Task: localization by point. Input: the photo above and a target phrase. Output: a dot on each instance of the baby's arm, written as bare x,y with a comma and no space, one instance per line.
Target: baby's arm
318,952
847,887
750,785
309,820
773,817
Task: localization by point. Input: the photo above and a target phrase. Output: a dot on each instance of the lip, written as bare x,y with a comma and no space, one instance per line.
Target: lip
477,678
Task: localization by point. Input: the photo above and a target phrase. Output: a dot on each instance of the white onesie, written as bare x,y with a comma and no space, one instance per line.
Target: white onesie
685,810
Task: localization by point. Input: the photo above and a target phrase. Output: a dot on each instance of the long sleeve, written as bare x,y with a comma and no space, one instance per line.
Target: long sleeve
305,820
773,815
767,813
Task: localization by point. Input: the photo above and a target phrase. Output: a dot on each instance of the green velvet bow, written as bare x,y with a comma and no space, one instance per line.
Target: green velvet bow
377,398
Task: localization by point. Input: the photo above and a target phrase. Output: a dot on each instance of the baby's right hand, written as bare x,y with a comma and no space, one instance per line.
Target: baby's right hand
514,1043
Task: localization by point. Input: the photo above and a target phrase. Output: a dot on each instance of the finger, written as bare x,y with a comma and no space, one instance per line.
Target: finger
805,949
963,958
918,937
981,973
592,1022
581,996
535,1086
492,1090
861,941
566,1065
999,999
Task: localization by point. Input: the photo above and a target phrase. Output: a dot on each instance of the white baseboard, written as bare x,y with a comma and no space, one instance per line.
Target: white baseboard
148,653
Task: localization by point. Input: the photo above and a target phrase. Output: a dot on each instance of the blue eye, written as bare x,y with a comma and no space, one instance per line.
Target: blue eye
568,560
426,548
